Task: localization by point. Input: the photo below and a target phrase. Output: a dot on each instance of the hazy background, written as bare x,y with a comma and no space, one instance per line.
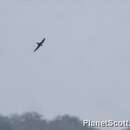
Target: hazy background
84,68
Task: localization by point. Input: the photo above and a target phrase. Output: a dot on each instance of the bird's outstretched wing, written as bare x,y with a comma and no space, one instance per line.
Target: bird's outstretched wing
36,48
43,40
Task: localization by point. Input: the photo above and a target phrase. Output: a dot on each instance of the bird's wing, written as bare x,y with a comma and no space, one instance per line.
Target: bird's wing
43,40
36,48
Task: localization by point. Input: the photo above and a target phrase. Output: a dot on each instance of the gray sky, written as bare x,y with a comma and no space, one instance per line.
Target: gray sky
84,68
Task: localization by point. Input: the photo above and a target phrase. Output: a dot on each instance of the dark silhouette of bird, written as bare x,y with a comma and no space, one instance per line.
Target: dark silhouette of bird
39,44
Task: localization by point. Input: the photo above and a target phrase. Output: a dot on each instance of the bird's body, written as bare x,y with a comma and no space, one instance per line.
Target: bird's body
39,44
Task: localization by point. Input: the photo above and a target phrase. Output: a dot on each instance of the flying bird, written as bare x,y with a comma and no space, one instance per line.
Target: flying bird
39,44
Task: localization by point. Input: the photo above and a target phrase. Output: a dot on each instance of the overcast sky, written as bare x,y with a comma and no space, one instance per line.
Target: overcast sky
84,68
